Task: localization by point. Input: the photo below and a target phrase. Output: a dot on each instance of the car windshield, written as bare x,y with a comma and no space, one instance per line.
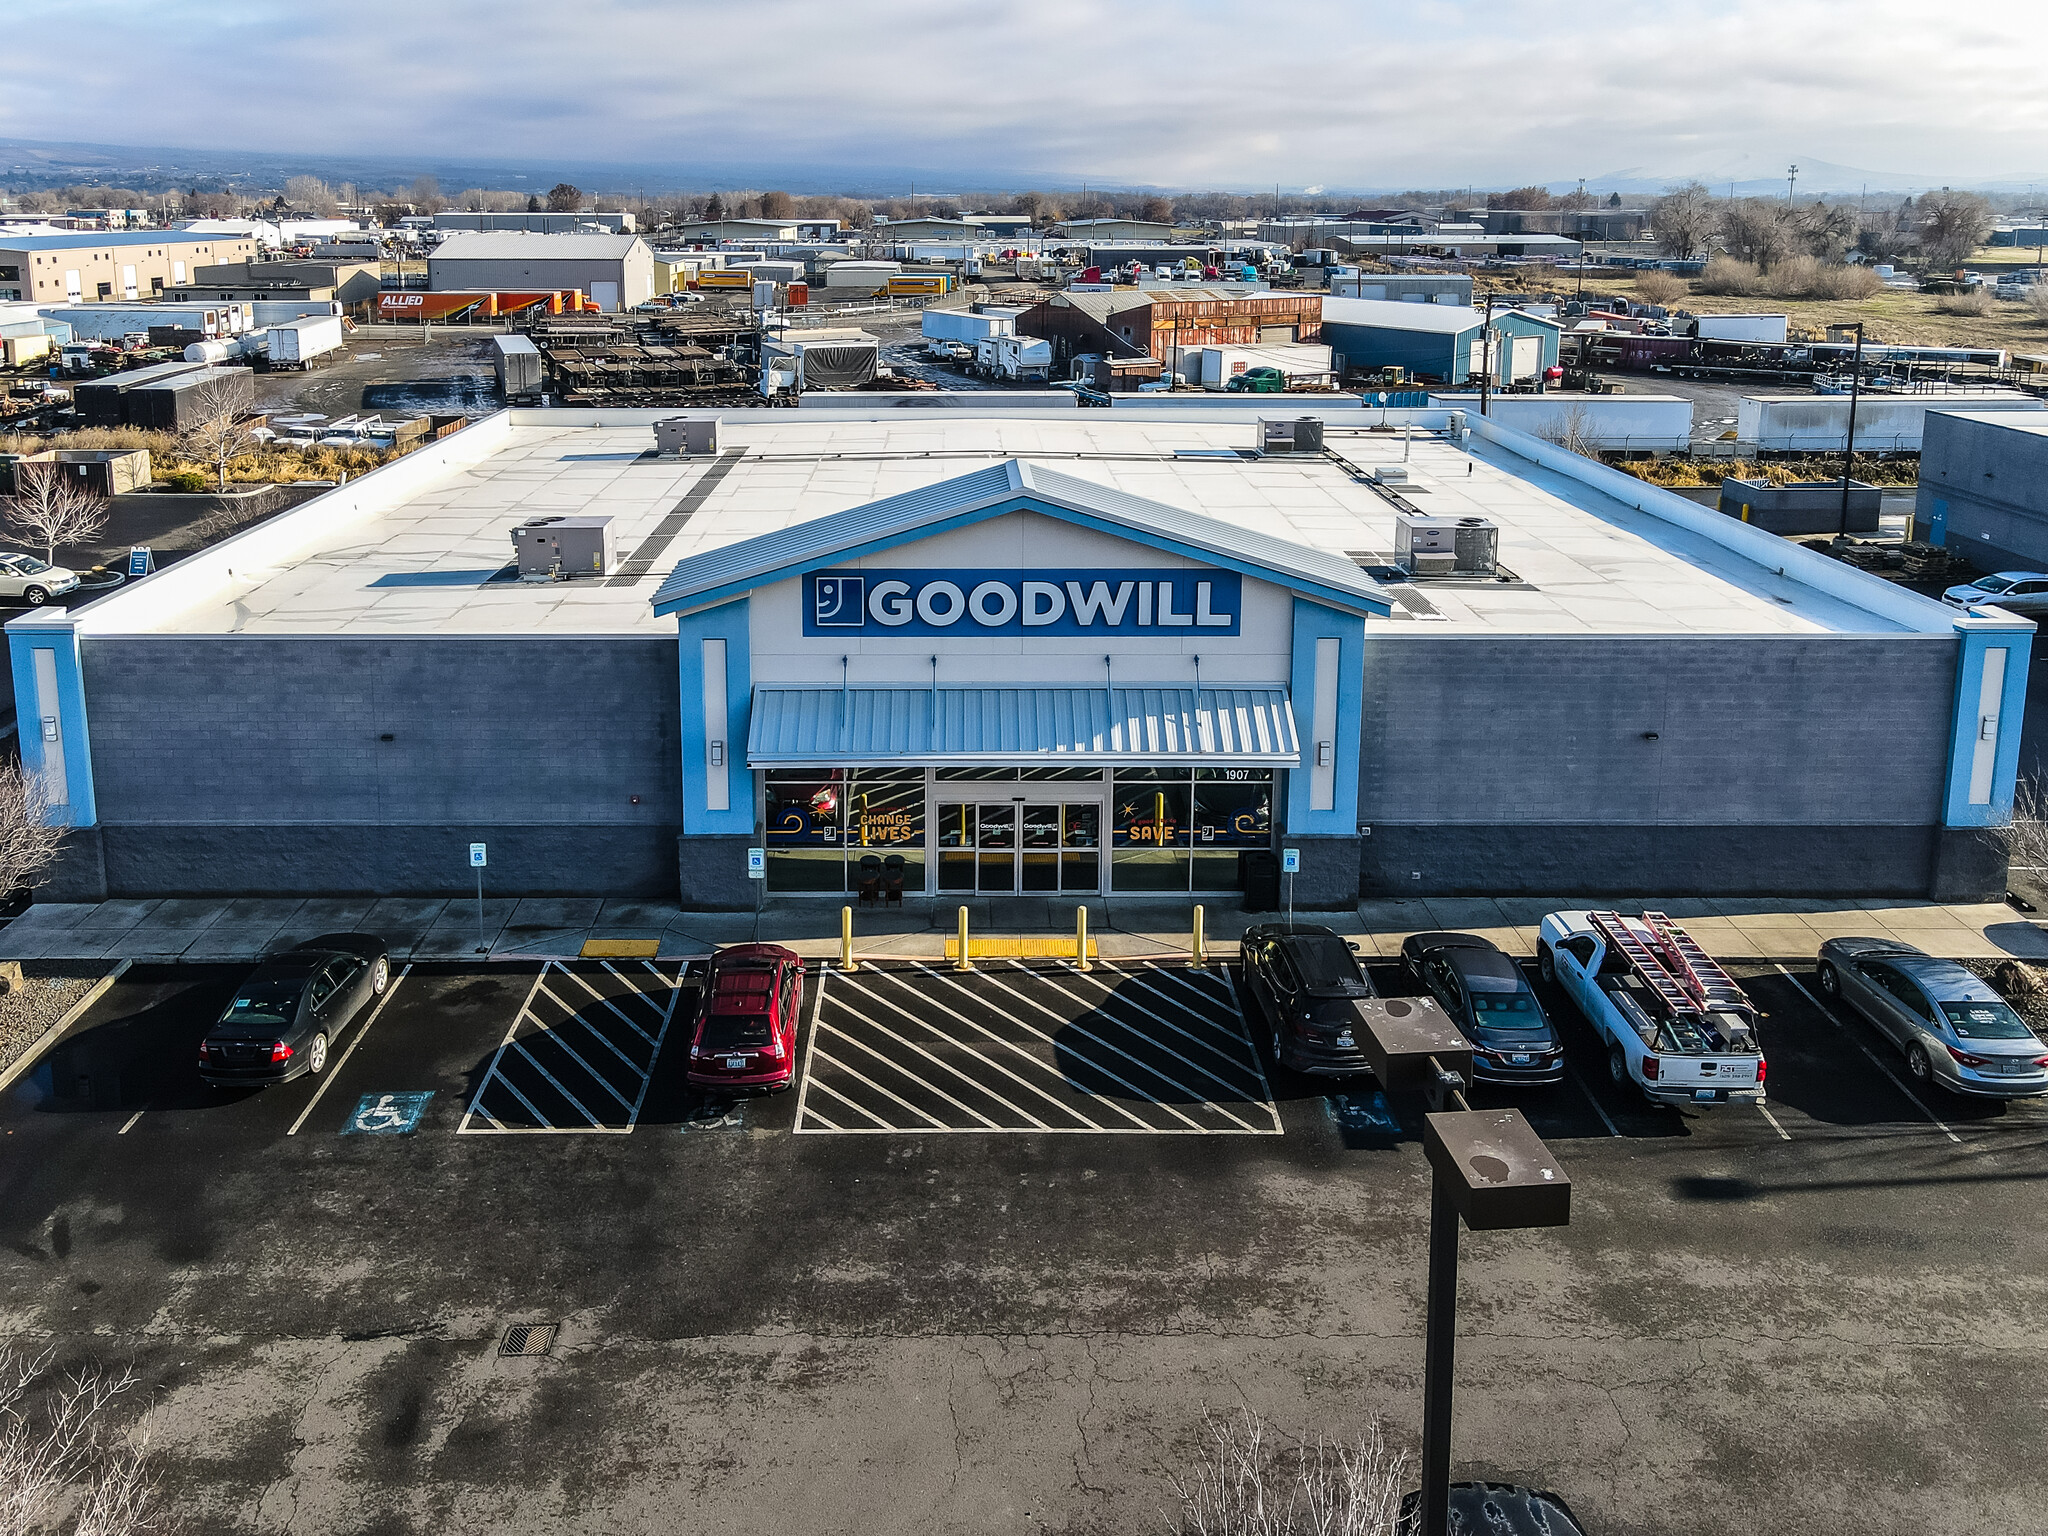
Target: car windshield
1995,583
1985,1021
1505,1010
274,1001
30,564
735,1032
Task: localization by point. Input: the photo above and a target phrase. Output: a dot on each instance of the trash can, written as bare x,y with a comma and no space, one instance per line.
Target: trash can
1258,876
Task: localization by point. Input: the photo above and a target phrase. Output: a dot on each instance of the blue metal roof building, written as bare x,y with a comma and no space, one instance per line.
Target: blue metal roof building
1437,340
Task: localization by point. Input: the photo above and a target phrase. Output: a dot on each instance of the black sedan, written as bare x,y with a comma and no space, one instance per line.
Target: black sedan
1489,1000
1303,980
283,1021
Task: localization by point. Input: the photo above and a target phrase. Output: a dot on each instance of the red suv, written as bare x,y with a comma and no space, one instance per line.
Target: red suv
745,1033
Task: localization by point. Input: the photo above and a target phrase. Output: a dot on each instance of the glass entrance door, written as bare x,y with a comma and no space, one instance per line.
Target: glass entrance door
1013,845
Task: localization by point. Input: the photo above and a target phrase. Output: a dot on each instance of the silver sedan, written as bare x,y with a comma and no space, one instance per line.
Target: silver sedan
1954,1029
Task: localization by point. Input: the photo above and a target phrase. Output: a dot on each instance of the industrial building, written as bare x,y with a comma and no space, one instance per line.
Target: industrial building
538,223
1167,323
1115,229
613,271
1984,486
352,284
89,264
1408,287
1438,341
1019,649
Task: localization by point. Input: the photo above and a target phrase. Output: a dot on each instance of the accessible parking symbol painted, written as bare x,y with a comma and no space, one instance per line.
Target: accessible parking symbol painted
387,1114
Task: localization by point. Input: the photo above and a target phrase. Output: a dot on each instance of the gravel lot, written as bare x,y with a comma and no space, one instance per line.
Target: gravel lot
47,992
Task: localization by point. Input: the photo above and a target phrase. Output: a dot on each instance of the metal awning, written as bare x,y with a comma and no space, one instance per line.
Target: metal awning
1021,726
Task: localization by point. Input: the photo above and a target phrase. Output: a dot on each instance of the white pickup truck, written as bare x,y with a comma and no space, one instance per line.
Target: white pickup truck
1675,1023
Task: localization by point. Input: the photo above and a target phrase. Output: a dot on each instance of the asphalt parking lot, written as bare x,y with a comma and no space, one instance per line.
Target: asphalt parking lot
1770,1319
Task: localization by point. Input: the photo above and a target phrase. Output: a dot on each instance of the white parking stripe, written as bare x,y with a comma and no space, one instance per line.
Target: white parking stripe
1783,1134
606,1041
1828,1014
541,1120
1227,1000
897,1067
1265,1087
1112,994
1573,1073
1088,1034
1003,1013
823,1055
335,1071
803,1092
601,999
476,1101
880,1123
520,1047
554,1038
945,1066
1050,1070
1162,1045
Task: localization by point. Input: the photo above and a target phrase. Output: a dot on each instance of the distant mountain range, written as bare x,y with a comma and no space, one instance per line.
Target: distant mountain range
27,164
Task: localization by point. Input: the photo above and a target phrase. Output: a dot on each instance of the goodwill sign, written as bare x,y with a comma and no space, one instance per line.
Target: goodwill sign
1052,602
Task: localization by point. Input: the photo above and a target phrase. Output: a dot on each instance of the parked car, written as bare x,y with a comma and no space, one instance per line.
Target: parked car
33,581
1953,1027
2022,592
745,1031
1489,999
1303,980
283,1021
1258,381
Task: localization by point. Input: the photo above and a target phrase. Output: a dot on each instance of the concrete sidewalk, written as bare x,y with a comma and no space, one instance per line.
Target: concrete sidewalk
558,927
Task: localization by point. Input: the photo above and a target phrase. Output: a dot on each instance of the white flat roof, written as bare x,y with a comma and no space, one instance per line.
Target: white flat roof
412,549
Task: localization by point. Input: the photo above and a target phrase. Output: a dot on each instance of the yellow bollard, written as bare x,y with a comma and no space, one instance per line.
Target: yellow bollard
1197,960
963,963
1081,938
846,960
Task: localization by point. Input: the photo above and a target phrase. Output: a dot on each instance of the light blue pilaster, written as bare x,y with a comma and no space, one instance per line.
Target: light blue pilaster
49,703
727,622
1990,709
1314,622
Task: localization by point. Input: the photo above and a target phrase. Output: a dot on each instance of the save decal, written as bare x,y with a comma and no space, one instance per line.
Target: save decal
1053,602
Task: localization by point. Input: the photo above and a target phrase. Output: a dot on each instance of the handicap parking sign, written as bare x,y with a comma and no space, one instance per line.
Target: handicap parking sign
386,1114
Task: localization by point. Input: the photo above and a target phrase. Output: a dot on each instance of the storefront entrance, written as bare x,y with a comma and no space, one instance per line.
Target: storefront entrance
954,831
1019,844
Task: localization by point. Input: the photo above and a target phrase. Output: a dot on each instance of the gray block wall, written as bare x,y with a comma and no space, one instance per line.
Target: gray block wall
259,764
1780,765
1995,481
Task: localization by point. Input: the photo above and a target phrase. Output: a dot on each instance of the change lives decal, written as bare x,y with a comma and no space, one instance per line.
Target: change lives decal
1054,602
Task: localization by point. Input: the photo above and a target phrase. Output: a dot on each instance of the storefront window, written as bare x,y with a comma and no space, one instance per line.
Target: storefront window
804,818
1233,812
1148,832
885,819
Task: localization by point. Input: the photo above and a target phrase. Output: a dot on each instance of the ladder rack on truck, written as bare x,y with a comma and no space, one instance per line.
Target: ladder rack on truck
1621,935
1697,971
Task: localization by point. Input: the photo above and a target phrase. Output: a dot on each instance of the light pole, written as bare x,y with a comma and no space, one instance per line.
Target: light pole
1849,444
1487,1168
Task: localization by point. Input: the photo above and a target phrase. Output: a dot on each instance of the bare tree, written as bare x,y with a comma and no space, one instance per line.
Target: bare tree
1571,430
60,1457
565,198
1952,225
311,194
426,195
1246,1482
28,847
219,430
1682,219
2024,839
1757,229
49,509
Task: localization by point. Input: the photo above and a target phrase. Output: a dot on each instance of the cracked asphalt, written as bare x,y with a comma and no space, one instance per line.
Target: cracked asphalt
1836,1328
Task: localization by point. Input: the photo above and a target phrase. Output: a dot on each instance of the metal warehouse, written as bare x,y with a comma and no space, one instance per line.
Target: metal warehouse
612,271
1016,650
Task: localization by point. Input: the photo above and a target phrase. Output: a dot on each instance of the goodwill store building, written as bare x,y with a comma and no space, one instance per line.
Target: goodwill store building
1017,650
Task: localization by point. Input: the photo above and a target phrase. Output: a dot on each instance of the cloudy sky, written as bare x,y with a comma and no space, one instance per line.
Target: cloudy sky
1337,93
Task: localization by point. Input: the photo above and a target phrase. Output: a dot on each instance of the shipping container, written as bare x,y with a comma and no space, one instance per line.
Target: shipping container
932,285
738,278
1884,423
180,404
101,402
965,326
1742,328
22,350
297,343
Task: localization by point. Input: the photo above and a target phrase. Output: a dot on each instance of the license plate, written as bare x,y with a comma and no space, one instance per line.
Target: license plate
1709,1095
1344,1038
1521,1059
2016,1068
736,1063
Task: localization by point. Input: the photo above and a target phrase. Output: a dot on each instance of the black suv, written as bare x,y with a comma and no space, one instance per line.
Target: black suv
1303,980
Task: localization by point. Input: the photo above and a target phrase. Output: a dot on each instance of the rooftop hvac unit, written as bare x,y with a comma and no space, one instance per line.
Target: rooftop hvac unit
560,547
686,434
1425,545
1292,434
1391,474
1476,544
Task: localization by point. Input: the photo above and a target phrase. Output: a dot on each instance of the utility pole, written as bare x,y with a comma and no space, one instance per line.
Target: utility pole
1849,446
1791,180
1486,358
